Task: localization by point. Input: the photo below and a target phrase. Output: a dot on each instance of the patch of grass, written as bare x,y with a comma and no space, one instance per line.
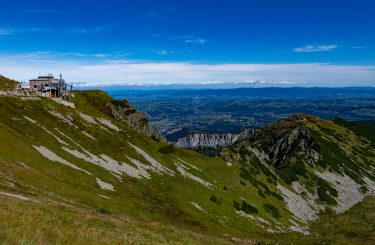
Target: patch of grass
99,223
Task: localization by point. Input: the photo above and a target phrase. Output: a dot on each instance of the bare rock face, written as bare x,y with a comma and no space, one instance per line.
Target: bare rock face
286,138
214,140
122,110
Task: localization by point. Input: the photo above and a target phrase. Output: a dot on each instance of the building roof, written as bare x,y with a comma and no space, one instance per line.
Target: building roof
39,79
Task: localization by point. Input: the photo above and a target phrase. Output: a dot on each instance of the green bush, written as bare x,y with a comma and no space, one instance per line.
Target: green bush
272,209
247,175
325,197
326,192
247,208
154,137
208,151
104,210
214,199
326,186
261,193
167,149
291,173
236,205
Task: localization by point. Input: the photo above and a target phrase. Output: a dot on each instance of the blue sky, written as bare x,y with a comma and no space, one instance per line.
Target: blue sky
266,42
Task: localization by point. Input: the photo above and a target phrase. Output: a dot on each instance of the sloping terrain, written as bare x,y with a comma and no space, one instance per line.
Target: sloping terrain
90,169
6,83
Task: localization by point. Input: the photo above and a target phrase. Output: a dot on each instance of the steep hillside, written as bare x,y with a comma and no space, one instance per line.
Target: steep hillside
6,83
92,168
317,165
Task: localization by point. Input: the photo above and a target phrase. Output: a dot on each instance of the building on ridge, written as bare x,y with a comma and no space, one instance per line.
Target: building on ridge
49,86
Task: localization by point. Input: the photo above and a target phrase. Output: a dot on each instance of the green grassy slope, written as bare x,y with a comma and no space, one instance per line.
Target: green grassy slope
6,83
161,194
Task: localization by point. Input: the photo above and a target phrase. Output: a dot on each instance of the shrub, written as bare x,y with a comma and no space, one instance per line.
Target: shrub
272,209
326,192
154,137
291,173
167,149
326,186
247,208
104,210
363,189
245,174
325,197
236,205
214,199
208,151
261,193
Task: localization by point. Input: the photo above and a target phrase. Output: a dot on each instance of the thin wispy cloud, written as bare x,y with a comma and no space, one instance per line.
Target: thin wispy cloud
162,52
315,48
39,11
43,55
24,30
79,30
5,32
196,41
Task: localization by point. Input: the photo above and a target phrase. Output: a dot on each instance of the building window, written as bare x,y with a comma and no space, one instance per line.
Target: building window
35,86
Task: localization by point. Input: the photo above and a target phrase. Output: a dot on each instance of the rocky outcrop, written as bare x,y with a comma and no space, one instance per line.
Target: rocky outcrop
214,140
122,110
286,138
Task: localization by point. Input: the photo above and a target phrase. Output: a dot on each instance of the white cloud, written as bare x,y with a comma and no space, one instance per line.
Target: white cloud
315,48
78,30
162,52
116,72
12,31
197,41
